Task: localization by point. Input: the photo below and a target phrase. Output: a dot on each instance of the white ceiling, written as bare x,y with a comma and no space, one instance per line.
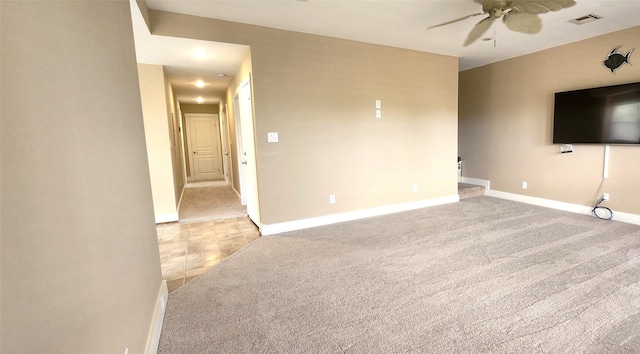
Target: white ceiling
397,23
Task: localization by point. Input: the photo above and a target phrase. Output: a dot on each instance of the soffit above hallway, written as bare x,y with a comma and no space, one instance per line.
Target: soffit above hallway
186,61
404,24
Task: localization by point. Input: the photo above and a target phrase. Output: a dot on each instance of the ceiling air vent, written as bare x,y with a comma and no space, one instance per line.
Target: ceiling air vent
585,19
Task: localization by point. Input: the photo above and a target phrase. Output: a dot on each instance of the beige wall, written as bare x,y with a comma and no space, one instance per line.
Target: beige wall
158,138
506,122
175,140
79,257
319,94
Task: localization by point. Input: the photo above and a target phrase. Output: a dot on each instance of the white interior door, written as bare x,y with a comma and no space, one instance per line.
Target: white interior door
241,160
226,158
248,156
204,146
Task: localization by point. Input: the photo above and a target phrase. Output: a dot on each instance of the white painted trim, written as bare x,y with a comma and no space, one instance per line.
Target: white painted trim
153,340
215,183
179,202
554,204
167,218
605,167
273,229
626,217
238,196
479,182
547,203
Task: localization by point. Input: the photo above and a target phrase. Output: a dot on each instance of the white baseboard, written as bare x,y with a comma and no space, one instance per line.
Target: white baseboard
196,184
238,196
158,318
167,218
180,201
274,229
626,217
479,182
554,204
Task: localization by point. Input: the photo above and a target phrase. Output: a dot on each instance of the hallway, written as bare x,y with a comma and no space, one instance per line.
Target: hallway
210,201
213,225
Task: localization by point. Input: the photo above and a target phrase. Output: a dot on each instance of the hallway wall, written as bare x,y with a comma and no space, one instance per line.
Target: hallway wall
79,257
155,110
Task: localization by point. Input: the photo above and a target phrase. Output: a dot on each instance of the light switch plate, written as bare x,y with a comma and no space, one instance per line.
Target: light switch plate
378,104
272,137
378,113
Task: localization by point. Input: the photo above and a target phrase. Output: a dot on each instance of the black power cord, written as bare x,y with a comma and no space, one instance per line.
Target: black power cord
602,212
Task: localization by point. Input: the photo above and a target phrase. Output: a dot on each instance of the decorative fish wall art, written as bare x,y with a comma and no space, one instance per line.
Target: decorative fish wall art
615,60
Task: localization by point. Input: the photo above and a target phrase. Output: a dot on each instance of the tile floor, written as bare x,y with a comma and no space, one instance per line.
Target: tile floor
189,249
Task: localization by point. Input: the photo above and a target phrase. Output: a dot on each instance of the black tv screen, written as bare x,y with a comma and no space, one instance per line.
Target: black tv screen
602,115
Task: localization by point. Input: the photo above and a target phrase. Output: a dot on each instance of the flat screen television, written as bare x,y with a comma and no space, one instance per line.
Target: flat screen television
601,115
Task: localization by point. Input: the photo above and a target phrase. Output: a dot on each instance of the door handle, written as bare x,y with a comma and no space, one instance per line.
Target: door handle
195,152
244,162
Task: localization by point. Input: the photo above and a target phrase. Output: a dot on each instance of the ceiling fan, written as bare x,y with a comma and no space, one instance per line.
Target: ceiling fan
518,15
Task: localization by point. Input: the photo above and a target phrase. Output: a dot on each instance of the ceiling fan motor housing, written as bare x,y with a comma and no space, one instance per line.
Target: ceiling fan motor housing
489,6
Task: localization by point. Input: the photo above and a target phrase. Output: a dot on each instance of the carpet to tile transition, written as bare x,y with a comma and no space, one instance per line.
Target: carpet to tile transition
481,275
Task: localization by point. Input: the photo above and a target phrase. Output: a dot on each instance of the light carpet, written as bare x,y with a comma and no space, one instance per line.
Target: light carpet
483,275
214,201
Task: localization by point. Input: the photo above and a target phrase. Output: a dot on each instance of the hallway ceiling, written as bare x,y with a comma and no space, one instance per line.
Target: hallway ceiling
396,23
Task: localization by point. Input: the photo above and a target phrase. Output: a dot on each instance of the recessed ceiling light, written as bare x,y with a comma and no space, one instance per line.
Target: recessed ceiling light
199,99
200,83
200,53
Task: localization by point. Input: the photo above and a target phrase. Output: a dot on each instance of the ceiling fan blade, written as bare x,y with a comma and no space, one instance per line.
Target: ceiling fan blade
456,20
523,22
479,29
540,6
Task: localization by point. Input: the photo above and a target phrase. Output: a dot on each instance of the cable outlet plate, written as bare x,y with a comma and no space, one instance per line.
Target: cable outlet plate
332,199
605,196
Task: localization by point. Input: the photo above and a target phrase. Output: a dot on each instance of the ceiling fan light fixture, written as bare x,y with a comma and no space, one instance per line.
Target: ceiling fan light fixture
518,15
585,19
